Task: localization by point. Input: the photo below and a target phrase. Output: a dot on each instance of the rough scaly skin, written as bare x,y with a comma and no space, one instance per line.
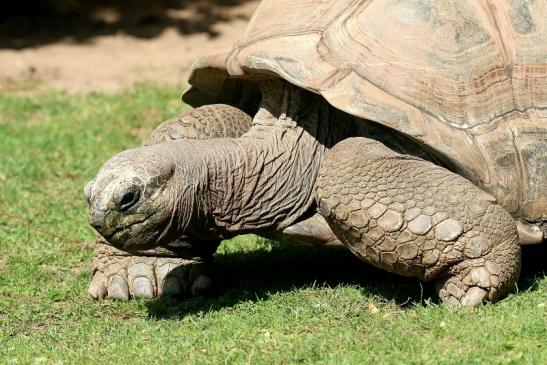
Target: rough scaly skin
120,275
413,218
208,121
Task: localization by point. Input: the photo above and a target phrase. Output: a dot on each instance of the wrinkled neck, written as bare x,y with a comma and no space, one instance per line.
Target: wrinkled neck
265,180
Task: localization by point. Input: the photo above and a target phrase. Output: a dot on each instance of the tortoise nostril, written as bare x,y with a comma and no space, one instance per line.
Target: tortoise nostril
97,219
87,191
97,225
129,199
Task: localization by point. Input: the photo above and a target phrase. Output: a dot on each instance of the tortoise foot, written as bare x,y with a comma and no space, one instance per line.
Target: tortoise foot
120,275
472,282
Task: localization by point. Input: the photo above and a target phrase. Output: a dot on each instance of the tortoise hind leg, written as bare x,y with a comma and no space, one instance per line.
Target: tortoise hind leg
310,231
414,218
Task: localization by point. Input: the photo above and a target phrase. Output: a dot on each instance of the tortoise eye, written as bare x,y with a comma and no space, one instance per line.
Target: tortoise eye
129,199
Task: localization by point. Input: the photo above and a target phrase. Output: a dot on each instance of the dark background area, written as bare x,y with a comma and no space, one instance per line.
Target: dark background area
31,23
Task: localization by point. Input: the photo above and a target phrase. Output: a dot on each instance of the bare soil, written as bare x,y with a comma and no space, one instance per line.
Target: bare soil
111,45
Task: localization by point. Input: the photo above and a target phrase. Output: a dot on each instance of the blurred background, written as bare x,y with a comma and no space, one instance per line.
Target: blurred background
109,45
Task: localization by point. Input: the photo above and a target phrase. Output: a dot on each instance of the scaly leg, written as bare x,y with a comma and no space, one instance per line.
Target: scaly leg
414,218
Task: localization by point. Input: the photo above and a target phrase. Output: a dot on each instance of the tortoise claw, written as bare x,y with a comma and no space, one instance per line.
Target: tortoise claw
117,288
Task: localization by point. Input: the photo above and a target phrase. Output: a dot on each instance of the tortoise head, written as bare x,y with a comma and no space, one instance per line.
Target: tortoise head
131,201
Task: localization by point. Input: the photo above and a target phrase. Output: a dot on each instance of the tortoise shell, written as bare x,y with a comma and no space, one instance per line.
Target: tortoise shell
467,78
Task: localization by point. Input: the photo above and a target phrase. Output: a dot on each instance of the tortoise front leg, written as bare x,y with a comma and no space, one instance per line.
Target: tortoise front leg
208,121
120,275
414,218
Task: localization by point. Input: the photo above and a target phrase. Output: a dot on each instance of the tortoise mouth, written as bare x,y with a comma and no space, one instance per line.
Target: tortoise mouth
141,234
115,234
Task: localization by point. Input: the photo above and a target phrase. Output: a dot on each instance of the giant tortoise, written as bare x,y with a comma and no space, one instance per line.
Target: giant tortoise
411,132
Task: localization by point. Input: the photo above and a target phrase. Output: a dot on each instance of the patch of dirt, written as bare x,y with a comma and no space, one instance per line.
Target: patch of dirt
111,45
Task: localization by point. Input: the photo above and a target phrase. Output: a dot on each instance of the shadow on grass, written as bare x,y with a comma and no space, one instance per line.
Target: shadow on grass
254,276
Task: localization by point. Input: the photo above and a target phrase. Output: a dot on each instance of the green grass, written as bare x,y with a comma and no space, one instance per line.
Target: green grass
278,305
